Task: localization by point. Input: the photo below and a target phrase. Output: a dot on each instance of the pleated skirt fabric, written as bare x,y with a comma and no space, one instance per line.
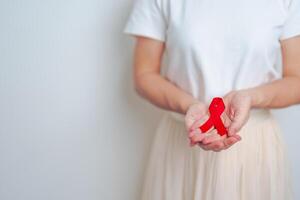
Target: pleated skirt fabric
256,168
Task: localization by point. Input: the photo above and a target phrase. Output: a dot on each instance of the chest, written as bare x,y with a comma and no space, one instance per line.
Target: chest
231,24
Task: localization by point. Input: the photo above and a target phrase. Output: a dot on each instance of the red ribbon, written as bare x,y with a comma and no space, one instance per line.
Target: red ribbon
216,108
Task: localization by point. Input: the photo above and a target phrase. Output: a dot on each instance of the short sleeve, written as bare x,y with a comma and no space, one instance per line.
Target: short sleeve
291,26
147,19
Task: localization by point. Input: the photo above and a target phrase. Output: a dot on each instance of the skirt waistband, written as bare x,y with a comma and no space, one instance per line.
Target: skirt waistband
256,114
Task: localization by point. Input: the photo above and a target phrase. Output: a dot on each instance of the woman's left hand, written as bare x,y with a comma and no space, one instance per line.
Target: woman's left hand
237,108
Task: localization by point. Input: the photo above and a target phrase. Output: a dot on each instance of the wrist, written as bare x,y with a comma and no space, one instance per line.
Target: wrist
256,98
187,104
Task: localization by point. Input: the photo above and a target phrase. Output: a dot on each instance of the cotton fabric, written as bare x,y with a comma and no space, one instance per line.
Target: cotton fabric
215,46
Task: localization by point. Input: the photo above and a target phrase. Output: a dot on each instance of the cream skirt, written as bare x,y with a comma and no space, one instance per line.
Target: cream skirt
256,168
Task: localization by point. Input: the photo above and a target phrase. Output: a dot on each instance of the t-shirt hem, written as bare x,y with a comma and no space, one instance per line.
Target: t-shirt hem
144,33
291,34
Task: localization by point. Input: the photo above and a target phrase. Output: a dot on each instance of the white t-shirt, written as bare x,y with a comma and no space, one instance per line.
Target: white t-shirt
214,46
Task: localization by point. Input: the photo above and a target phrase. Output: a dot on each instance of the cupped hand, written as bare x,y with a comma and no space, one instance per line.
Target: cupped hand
196,115
236,114
220,144
215,142
238,106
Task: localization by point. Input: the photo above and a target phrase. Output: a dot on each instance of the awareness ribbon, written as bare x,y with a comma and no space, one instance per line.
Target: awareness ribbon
216,108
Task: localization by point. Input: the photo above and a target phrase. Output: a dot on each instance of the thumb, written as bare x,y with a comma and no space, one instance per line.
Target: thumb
238,120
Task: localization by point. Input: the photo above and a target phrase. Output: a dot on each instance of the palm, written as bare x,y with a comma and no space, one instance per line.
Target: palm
196,115
236,114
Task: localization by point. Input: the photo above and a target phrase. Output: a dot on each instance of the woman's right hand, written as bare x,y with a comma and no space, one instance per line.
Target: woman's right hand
196,115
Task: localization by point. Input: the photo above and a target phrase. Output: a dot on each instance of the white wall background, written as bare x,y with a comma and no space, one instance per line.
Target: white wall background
71,126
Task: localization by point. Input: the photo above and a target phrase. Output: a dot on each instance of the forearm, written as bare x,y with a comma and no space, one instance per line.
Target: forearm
162,93
277,94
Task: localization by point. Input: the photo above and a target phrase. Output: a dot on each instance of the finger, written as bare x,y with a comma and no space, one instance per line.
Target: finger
237,136
205,134
197,131
192,143
204,147
216,145
237,122
199,122
212,137
226,120
224,143
228,142
230,113
193,133
198,137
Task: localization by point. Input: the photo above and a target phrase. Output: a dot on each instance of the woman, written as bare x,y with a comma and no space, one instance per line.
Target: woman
245,51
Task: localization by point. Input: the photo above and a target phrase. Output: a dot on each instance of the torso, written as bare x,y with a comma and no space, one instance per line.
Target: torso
214,46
